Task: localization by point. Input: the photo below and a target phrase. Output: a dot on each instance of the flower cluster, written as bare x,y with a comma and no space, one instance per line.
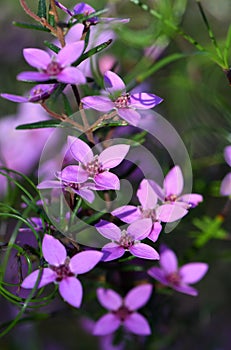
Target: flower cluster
89,167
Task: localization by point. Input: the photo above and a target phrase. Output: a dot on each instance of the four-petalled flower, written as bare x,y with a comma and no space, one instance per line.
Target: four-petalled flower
124,103
123,311
126,240
63,270
176,277
56,67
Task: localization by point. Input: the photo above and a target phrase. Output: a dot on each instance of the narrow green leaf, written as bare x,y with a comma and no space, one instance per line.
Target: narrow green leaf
93,51
30,26
67,106
51,46
227,47
51,20
39,125
42,9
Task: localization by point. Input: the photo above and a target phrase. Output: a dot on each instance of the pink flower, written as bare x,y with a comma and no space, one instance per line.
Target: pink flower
226,182
96,167
54,67
38,93
63,270
149,209
123,311
172,188
126,240
124,103
177,278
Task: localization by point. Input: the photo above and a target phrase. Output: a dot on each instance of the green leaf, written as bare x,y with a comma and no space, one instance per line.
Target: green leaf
39,125
51,46
67,107
227,47
209,228
30,26
92,52
42,9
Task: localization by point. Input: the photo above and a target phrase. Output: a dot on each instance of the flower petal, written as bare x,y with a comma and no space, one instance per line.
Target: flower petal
186,289
80,150
130,115
113,83
37,58
168,261
170,212
100,103
174,182
225,189
107,181
146,195
143,100
53,250
107,324
227,155
49,184
127,213
109,299
71,291
138,297
74,174
71,75
48,276
108,230
112,251
193,272
158,190
84,261
192,199
144,251
140,229
113,156
155,231
158,274
86,194
137,324
70,53
33,76
14,98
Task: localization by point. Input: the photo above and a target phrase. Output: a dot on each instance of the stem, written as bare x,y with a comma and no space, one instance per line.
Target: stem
59,31
87,128
42,21
210,32
102,118
62,118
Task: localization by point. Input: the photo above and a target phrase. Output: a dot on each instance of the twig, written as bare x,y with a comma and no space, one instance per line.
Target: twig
59,31
62,118
42,21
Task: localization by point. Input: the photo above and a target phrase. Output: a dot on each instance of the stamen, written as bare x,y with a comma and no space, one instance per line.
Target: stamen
122,101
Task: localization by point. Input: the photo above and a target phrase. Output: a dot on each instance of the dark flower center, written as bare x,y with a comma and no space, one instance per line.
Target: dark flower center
62,271
123,101
72,185
174,278
93,167
53,69
122,313
126,241
148,213
171,198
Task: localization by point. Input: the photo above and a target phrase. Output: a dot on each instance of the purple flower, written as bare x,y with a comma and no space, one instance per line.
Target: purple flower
225,189
96,167
54,67
123,311
68,180
63,270
126,240
149,209
172,188
177,278
38,93
84,9
124,103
